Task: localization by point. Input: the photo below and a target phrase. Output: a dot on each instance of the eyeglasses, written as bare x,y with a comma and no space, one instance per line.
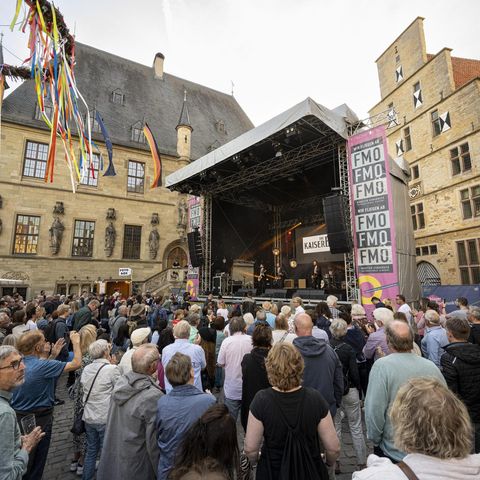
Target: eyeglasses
15,365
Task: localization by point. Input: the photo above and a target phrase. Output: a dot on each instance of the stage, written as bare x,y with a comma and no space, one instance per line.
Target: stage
263,198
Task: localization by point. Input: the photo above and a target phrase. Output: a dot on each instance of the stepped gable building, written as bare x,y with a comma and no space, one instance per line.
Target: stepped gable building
437,134
52,239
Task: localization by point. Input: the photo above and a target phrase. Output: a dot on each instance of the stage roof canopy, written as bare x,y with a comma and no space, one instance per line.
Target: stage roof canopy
291,156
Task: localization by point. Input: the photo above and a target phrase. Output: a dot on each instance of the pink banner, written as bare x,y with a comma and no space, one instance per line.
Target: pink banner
372,216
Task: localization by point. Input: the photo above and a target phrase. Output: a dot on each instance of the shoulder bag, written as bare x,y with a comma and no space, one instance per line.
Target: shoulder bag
78,424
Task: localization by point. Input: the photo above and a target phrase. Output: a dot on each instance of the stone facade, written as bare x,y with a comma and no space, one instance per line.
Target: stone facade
443,154
31,196
124,93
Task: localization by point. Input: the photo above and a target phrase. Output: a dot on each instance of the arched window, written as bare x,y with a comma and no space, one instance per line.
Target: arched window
428,274
177,255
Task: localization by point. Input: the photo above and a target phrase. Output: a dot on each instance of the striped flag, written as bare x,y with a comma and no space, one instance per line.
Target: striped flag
157,162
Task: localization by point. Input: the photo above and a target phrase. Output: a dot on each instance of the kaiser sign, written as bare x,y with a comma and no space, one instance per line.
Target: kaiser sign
317,243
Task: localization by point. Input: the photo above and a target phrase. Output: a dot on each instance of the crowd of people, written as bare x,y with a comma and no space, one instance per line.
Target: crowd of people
159,384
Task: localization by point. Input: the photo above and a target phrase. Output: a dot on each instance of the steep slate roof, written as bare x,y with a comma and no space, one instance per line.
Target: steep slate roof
157,101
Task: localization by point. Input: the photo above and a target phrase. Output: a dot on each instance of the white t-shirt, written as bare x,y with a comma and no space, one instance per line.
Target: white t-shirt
405,308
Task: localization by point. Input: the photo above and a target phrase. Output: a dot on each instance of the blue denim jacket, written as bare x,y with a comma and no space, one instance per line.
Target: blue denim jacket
433,342
176,412
13,463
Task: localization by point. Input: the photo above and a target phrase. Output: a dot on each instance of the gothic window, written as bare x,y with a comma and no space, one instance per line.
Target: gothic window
27,229
460,159
470,199
469,261
418,217
83,234
132,239
407,139
91,179
35,162
136,177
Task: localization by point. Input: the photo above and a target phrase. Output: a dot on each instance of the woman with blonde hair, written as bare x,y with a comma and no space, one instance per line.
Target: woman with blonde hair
432,426
88,335
292,416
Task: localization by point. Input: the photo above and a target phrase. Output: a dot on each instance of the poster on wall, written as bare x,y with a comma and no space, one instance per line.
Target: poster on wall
372,216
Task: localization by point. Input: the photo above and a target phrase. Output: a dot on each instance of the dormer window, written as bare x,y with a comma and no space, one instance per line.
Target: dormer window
137,133
220,126
48,111
94,125
118,97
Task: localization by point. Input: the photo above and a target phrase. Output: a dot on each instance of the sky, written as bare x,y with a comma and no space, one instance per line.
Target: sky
276,52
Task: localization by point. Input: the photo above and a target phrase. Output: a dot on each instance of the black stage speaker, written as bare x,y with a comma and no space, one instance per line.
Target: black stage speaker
310,294
337,227
195,248
275,293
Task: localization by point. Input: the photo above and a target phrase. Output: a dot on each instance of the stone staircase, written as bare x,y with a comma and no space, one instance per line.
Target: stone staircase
166,281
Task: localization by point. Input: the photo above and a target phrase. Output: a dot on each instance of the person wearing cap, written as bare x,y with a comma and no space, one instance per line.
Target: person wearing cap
435,338
138,337
181,332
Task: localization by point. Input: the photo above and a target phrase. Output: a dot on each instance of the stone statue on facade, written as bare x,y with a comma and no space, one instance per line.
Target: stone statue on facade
56,235
182,212
155,220
110,236
59,208
111,214
153,243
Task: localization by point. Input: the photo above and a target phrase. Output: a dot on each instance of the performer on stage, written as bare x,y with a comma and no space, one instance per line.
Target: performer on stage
316,277
262,279
281,274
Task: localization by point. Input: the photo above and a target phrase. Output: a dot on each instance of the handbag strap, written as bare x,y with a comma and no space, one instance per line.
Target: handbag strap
283,337
91,386
407,471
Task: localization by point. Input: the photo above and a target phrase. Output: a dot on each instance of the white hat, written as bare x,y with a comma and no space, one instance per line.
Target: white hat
139,335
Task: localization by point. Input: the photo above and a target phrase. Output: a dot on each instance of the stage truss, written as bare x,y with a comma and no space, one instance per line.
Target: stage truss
350,277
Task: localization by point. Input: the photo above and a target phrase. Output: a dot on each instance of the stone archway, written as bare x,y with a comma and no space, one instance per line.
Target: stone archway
427,274
175,251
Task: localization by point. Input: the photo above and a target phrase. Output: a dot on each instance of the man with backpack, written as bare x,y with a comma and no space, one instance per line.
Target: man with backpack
58,329
117,321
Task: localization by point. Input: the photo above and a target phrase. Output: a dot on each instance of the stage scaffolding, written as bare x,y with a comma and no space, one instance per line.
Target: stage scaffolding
206,283
351,286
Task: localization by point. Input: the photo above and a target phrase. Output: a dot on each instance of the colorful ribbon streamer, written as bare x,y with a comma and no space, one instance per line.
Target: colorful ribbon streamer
157,162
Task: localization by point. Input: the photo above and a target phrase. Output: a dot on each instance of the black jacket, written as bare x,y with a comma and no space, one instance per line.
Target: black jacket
348,359
254,379
475,333
461,369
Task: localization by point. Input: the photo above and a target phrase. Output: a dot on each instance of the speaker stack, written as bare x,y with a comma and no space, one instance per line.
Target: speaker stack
195,248
337,225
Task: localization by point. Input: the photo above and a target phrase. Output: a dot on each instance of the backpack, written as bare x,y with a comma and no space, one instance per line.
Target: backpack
49,333
346,381
297,462
158,313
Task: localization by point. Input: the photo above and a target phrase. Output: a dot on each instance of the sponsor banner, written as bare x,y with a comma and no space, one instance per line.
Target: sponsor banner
317,243
372,216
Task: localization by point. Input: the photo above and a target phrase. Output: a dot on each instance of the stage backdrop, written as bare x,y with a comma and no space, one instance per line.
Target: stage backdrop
372,216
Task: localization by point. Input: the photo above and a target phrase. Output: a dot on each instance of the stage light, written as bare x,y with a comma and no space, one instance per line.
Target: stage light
293,263
276,251
289,232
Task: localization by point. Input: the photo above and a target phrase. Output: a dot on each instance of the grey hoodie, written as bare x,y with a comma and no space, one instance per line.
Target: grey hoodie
323,370
130,447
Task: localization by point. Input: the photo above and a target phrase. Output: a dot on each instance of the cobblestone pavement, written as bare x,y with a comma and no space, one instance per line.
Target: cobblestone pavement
60,454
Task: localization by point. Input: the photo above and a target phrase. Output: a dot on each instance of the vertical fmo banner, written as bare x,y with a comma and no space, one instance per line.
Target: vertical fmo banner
372,216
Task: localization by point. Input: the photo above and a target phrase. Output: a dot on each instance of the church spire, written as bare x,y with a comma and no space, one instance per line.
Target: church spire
184,120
